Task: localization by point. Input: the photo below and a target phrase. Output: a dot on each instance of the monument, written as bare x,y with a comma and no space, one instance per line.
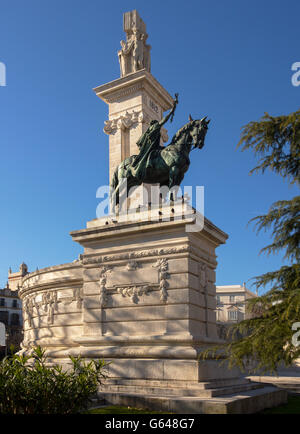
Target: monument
142,293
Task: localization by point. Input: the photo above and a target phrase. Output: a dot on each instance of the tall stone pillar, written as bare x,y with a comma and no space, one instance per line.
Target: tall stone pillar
134,99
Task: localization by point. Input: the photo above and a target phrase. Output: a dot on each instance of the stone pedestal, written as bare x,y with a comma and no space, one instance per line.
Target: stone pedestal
142,295
149,295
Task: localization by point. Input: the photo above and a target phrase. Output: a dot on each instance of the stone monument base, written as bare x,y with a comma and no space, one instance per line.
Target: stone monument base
142,296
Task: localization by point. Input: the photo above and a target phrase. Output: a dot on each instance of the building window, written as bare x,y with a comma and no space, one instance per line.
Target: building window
2,302
232,315
218,299
231,298
15,303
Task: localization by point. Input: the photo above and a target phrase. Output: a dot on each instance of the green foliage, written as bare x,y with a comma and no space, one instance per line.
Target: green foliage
29,386
264,341
283,219
276,141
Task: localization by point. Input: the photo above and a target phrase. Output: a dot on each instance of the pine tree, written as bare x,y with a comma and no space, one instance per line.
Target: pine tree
265,341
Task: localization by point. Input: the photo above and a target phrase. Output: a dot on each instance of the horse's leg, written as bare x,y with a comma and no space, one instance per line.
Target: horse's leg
121,172
121,193
175,178
115,196
114,199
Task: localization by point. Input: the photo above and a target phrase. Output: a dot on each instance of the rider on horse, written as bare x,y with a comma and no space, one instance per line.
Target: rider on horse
149,142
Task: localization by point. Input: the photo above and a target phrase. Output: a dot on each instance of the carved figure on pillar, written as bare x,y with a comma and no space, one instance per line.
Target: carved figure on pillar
135,53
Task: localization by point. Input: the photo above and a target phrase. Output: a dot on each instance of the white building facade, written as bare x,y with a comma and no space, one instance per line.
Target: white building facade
231,303
11,312
10,308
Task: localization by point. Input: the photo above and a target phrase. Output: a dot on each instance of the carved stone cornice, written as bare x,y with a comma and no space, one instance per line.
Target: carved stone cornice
133,83
34,286
129,90
135,255
67,274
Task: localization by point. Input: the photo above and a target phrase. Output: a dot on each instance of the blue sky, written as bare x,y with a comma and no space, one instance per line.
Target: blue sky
228,60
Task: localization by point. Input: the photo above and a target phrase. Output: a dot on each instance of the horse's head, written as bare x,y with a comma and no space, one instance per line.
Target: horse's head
198,130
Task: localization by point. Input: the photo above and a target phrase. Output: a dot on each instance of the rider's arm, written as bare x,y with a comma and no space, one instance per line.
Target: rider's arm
166,118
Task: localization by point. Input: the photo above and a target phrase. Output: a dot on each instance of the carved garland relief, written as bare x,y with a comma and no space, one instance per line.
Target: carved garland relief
49,304
133,280
162,266
203,281
124,121
128,120
50,301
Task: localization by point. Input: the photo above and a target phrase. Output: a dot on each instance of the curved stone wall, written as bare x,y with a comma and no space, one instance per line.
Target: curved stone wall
52,305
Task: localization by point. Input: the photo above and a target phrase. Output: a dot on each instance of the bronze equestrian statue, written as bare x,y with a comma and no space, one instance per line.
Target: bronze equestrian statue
156,164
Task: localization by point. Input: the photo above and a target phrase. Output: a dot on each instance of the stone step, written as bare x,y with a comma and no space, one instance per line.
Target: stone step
177,391
247,402
291,388
288,386
178,384
291,384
